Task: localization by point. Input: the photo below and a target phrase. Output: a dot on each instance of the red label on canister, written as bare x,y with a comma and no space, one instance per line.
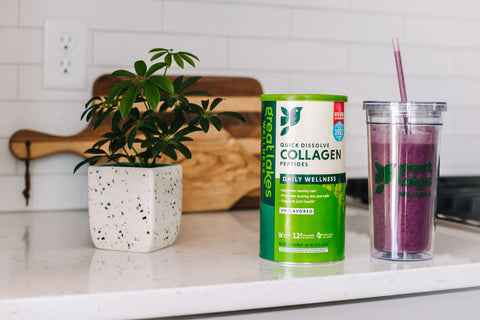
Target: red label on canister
338,112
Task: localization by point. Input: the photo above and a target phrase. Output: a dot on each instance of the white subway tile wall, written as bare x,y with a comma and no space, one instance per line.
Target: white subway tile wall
9,13
290,46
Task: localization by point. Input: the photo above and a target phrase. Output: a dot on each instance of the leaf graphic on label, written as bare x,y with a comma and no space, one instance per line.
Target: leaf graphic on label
388,173
295,115
284,111
378,177
284,131
283,120
379,188
379,173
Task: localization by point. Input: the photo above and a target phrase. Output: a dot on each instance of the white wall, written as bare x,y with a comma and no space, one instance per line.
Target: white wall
290,46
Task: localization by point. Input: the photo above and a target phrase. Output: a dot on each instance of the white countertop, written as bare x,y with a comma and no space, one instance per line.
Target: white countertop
49,269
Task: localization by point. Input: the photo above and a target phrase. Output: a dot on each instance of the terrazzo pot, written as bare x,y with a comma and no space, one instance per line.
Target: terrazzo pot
134,208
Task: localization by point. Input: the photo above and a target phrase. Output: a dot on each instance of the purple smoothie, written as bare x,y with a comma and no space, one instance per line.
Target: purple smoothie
403,208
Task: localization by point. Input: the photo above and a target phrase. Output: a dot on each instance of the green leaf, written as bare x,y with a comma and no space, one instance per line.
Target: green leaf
129,124
108,135
86,112
91,161
147,128
176,124
187,58
90,104
177,82
215,103
184,132
205,104
170,151
232,114
117,89
140,67
154,68
91,100
131,137
163,83
379,173
185,138
89,115
284,131
183,53
158,148
183,149
101,116
204,124
163,126
379,188
178,59
127,101
284,111
81,164
283,120
123,73
196,109
116,120
157,55
95,151
135,114
151,94
100,143
147,114
168,59
216,123
188,83
183,102
116,144
158,49
149,141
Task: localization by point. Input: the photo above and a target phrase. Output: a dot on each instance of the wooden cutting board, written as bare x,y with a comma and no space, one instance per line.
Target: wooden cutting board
224,171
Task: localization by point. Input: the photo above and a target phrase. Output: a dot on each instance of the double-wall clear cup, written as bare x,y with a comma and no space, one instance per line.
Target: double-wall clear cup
403,153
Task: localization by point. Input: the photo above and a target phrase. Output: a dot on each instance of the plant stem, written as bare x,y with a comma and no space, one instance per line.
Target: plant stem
132,164
147,106
114,160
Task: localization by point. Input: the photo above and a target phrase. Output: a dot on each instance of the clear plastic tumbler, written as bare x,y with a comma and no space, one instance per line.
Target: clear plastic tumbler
403,153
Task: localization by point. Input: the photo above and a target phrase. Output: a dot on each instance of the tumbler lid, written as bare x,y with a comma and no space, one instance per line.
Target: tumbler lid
404,106
413,112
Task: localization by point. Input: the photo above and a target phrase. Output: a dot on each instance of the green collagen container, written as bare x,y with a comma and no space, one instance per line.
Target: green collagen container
303,178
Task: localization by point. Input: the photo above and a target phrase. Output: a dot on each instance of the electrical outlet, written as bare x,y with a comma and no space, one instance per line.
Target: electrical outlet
66,41
65,54
65,65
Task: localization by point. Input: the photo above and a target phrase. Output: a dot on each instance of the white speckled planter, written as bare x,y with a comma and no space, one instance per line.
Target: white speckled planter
134,209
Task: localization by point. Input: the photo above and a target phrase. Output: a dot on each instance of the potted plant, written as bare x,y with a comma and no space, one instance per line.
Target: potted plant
135,202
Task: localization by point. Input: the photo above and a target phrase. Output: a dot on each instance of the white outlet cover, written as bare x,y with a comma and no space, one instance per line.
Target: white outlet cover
65,41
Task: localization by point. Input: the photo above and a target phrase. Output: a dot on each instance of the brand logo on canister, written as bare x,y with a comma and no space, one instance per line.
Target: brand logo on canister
289,118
